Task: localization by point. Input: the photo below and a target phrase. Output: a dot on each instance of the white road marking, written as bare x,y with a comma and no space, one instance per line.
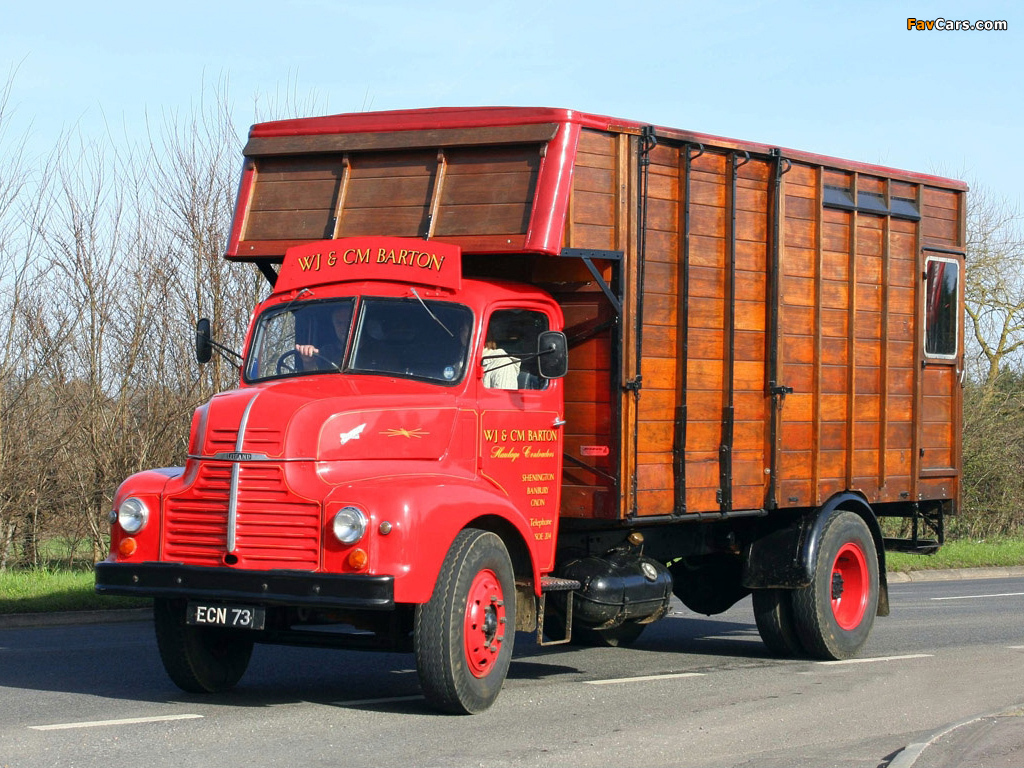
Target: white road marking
979,597
644,678
101,723
365,702
877,658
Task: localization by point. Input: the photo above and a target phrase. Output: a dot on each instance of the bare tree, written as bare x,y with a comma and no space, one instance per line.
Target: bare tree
995,283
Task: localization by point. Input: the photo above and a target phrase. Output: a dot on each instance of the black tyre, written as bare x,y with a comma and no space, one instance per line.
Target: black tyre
463,636
199,659
773,613
834,614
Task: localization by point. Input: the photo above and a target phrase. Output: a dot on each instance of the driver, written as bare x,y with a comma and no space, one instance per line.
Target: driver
329,354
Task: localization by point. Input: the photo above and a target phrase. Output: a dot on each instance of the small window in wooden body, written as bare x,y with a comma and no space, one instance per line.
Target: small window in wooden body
942,291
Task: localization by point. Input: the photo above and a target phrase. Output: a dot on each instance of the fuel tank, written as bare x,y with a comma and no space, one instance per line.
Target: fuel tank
622,585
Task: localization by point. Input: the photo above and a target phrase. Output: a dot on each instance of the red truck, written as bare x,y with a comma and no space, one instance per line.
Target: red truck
539,370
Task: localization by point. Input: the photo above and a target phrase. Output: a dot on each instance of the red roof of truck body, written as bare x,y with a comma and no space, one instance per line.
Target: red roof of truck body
479,117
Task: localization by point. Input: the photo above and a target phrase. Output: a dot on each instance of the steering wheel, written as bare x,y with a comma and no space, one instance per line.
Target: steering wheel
290,362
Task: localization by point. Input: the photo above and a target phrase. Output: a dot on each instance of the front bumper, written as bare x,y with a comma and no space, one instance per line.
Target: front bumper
293,588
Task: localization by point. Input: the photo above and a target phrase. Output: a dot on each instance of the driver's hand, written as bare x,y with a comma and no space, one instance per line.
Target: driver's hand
306,351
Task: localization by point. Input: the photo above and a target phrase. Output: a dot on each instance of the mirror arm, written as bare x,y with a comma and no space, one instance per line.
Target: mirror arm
225,352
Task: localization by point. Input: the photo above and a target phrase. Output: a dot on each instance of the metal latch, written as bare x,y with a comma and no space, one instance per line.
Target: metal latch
780,391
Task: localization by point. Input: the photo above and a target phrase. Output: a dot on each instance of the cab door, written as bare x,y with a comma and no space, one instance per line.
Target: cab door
521,420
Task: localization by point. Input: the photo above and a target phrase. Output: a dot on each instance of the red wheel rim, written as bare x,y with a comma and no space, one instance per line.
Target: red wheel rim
485,623
851,586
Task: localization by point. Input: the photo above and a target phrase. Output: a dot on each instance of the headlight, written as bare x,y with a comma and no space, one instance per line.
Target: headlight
349,525
132,515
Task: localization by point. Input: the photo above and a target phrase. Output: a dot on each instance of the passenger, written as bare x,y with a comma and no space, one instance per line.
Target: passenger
501,370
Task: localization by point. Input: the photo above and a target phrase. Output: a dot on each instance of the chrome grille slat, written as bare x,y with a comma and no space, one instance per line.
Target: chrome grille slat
273,529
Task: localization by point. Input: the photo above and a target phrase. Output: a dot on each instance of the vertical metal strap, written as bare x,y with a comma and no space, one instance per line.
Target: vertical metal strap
647,142
776,390
683,337
728,410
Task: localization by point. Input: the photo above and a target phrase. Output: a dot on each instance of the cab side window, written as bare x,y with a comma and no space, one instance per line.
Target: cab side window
510,349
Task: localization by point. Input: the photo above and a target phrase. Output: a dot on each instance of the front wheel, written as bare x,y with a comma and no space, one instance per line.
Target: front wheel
464,634
198,659
834,614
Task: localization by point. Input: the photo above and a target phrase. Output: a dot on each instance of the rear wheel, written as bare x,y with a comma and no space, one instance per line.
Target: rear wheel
198,659
833,616
464,635
773,613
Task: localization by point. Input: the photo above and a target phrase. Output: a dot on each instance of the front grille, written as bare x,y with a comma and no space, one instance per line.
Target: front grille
273,529
257,440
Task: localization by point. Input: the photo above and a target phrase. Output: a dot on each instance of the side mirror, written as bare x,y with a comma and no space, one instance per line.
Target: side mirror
552,355
204,342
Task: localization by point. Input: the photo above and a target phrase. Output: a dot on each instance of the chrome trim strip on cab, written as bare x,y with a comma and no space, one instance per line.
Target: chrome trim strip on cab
235,469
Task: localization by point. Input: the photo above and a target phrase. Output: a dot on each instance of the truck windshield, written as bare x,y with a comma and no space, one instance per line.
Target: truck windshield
412,338
300,338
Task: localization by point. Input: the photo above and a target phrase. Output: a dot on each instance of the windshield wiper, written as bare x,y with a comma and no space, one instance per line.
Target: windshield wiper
436,318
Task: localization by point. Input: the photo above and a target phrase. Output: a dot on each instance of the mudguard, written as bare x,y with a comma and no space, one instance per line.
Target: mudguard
784,558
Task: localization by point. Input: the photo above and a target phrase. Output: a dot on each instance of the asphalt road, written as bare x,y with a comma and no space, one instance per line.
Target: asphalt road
692,691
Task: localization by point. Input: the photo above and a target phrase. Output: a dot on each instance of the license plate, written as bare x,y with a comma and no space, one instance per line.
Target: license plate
233,616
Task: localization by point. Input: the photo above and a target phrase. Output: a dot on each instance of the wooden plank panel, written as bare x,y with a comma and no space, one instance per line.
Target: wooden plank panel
271,170
398,192
707,251
288,225
800,262
593,208
799,234
707,221
588,418
294,195
601,180
662,215
939,380
797,349
476,189
801,175
596,142
396,222
943,231
600,238
941,198
708,192
513,218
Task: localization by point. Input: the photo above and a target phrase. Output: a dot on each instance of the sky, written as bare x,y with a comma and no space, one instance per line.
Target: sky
847,80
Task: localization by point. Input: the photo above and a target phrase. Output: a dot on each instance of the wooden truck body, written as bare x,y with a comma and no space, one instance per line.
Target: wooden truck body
765,352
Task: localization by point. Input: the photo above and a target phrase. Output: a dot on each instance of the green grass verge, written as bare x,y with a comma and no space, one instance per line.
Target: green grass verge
994,553
40,590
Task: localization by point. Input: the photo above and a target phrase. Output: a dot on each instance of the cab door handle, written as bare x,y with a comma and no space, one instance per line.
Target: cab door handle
559,423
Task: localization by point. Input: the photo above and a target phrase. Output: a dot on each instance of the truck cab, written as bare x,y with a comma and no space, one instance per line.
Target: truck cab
385,405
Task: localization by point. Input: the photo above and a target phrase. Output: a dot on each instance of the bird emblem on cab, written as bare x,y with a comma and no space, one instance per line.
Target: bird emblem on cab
352,434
